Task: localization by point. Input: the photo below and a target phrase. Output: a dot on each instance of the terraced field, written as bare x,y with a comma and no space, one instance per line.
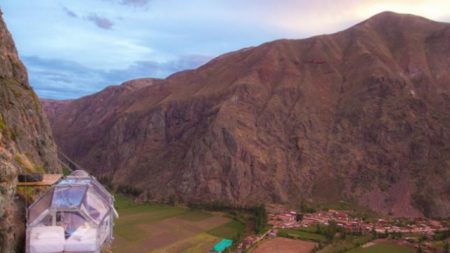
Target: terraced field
149,228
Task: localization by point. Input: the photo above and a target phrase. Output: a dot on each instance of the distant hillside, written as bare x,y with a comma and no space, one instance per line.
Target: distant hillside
26,142
362,115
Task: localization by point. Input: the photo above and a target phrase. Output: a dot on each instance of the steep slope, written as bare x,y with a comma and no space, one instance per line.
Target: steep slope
26,142
362,115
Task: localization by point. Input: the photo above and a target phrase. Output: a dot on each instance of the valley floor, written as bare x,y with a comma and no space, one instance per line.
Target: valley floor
148,228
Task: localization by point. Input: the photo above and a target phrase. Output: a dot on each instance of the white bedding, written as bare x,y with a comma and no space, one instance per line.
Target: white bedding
47,239
83,239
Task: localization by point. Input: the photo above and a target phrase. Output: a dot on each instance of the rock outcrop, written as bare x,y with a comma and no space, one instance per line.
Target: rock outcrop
361,116
26,142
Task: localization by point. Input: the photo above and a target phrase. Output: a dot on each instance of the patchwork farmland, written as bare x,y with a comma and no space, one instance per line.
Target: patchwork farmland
150,228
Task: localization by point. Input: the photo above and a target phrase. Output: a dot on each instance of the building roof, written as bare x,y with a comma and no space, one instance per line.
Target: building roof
222,245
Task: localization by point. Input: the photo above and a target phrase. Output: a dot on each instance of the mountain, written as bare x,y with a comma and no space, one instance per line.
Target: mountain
26,142
361,116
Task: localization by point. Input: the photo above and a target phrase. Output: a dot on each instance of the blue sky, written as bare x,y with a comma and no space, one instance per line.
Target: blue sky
73,48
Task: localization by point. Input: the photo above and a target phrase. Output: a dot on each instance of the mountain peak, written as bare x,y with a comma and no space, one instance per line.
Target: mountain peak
387,19
390,15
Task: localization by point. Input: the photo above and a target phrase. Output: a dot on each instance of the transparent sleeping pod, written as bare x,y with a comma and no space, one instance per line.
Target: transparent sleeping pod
75,215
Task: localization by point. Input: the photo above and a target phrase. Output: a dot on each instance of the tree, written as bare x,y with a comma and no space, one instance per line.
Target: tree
419,250
318,229
304,208
396,235
374,233
260,219
172,201
422,238
331,230
238,236
343,234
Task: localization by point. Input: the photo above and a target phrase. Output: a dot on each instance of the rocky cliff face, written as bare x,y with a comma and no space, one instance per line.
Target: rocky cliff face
362,115
26,142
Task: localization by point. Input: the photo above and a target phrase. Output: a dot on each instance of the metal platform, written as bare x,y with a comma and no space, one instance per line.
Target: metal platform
47,180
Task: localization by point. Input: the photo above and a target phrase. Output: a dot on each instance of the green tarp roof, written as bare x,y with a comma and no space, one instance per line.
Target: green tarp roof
222,245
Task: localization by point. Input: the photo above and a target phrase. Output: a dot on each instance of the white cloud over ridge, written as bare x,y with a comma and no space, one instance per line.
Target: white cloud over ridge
65,79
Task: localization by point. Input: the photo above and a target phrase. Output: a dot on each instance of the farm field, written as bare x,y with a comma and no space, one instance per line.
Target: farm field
346,244
303,235
151,228
383,247
284,245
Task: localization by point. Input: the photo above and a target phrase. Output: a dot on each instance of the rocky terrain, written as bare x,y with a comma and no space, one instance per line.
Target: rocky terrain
26,143
361,116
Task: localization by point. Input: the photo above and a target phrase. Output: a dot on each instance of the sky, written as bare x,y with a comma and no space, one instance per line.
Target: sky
73,48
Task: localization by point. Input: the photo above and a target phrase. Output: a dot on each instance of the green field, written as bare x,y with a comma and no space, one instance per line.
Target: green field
145,228
346,244
302,235
227,230
383,248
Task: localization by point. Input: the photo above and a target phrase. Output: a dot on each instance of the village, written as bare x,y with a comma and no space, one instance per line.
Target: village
293,219
290,219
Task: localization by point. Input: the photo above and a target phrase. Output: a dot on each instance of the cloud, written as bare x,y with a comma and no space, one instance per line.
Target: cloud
101,22
157,69
69,12
130,3
135,3
65,79
56,78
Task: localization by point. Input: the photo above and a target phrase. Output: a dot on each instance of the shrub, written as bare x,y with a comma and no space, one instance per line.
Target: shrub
2,124
305,208
24,162
129,190
12,135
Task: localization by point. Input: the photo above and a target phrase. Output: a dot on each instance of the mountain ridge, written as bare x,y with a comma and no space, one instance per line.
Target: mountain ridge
363,112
